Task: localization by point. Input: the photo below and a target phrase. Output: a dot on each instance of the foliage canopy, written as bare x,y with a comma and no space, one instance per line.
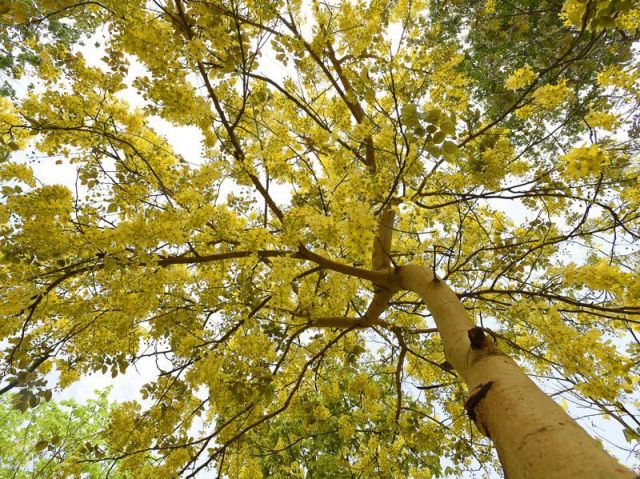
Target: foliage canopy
51,440
502,135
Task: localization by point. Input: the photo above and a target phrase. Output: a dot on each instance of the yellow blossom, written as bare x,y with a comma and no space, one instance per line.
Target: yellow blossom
520,78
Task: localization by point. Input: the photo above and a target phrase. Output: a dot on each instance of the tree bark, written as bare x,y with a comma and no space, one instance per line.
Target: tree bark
534,437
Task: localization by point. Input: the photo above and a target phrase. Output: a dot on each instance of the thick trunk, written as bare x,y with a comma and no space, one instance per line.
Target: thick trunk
534,437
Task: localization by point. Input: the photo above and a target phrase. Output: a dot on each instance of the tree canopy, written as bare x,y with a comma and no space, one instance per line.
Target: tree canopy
342,143
26,25
50,440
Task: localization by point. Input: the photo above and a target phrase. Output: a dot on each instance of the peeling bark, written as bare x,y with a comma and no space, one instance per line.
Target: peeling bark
473,402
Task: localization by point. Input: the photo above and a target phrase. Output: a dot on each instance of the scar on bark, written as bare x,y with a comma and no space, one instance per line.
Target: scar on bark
446,366
472,403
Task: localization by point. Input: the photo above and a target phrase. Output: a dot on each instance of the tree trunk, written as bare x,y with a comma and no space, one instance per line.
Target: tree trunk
535,438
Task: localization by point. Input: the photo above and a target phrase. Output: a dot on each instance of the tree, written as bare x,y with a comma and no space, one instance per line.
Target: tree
54,440
361,161
35,33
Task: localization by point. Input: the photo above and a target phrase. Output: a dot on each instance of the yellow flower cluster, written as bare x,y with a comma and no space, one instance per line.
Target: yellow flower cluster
551,96
600,14
601,119
572,12
629,20
546,98
584,161
617,77
520,78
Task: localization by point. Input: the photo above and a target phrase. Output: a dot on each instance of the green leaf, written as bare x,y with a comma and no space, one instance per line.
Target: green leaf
439,137
409,115
450,148
20,401
448,127
41,445
433,150
605,22
431,115
631,434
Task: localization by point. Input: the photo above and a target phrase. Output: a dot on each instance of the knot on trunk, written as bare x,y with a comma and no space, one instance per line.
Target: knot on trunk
477,337
482,345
